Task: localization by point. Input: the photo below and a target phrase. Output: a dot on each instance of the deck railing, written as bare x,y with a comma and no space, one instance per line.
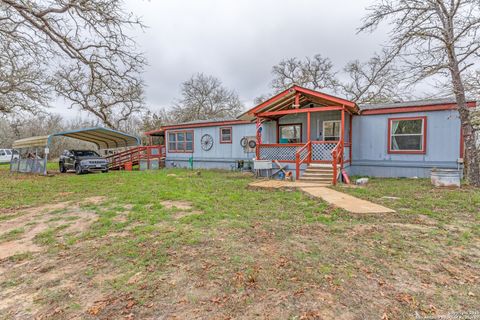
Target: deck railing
134,155
303,155
332,152
337,155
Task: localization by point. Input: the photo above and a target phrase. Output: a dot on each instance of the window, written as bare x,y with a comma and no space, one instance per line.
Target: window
331,130
2,153
226,135
290,133
85,153
180,141
407,135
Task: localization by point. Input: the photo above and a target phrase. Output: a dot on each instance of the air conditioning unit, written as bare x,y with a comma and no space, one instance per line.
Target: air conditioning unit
249,144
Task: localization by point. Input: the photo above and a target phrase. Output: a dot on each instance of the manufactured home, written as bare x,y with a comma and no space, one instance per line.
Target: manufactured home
316,135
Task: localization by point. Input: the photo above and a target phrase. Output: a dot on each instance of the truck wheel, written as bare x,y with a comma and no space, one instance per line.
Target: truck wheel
105,171
62,168
78,169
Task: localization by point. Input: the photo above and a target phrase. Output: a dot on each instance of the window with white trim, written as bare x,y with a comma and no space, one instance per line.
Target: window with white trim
331,130
407,135
180,141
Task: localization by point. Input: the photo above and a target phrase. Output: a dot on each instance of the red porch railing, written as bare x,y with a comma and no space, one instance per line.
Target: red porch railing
303,155
134,155
337,155
329,152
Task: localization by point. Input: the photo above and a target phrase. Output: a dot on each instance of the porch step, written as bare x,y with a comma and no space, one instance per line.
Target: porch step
315,170
315,179
322,165
319,173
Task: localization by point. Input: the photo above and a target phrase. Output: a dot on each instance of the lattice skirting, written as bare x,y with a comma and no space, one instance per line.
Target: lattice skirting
283,153
322,151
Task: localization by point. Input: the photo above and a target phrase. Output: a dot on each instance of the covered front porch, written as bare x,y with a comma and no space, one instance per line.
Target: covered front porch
303,127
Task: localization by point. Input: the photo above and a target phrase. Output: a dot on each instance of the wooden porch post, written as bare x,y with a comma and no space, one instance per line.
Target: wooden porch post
278,130
259,138
343,136
309,138
350,139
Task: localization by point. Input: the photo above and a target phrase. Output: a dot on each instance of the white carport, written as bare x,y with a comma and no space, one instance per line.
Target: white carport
36,149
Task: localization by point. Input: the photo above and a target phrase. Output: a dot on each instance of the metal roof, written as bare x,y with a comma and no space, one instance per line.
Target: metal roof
403,104
103,138
40,141
205,121
197,124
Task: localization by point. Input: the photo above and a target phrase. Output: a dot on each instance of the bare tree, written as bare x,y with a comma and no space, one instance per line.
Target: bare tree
153,120
261,98
22,81
27,125
472,84
375,81
77,48
437,37
314,73
203,98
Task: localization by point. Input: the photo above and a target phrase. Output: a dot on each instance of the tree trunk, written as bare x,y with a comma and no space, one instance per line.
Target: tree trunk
469,131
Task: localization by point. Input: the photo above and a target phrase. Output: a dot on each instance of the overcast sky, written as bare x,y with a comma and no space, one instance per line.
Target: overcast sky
239,41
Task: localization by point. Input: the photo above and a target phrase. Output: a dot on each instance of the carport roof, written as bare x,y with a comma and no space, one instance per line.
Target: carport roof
40,141
102,137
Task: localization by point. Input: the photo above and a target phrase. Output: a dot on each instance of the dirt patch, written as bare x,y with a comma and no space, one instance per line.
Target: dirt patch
34,221
185,207
418,227
182,214
182,205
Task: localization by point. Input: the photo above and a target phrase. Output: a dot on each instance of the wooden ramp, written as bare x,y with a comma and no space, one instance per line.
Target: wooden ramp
333,197
133,156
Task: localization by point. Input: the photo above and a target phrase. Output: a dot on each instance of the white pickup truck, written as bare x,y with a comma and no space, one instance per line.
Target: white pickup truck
6,155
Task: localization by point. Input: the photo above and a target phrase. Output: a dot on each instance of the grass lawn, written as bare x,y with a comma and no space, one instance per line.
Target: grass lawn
174,244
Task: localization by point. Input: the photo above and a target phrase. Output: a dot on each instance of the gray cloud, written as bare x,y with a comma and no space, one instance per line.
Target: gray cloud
239,41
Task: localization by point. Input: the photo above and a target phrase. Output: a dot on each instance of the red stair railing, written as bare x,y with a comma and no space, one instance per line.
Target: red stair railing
337,158
303,155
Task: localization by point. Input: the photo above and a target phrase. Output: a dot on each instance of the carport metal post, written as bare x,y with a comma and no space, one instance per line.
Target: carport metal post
45,159
11,160
19,158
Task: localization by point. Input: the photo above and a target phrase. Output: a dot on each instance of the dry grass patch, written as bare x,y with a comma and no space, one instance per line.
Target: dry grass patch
33,222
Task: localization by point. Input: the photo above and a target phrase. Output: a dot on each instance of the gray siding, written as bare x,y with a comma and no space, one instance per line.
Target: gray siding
369,146
221,155
370,143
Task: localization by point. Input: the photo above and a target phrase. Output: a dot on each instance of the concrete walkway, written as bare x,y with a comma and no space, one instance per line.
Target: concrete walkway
335,198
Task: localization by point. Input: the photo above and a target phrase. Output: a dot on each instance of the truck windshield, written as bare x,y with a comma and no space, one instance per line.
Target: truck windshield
86,153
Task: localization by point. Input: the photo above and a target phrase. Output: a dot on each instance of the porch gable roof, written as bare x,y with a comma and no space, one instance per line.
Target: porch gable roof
286,100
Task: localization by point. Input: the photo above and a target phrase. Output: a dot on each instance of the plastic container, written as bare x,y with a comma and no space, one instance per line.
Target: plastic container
128,166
